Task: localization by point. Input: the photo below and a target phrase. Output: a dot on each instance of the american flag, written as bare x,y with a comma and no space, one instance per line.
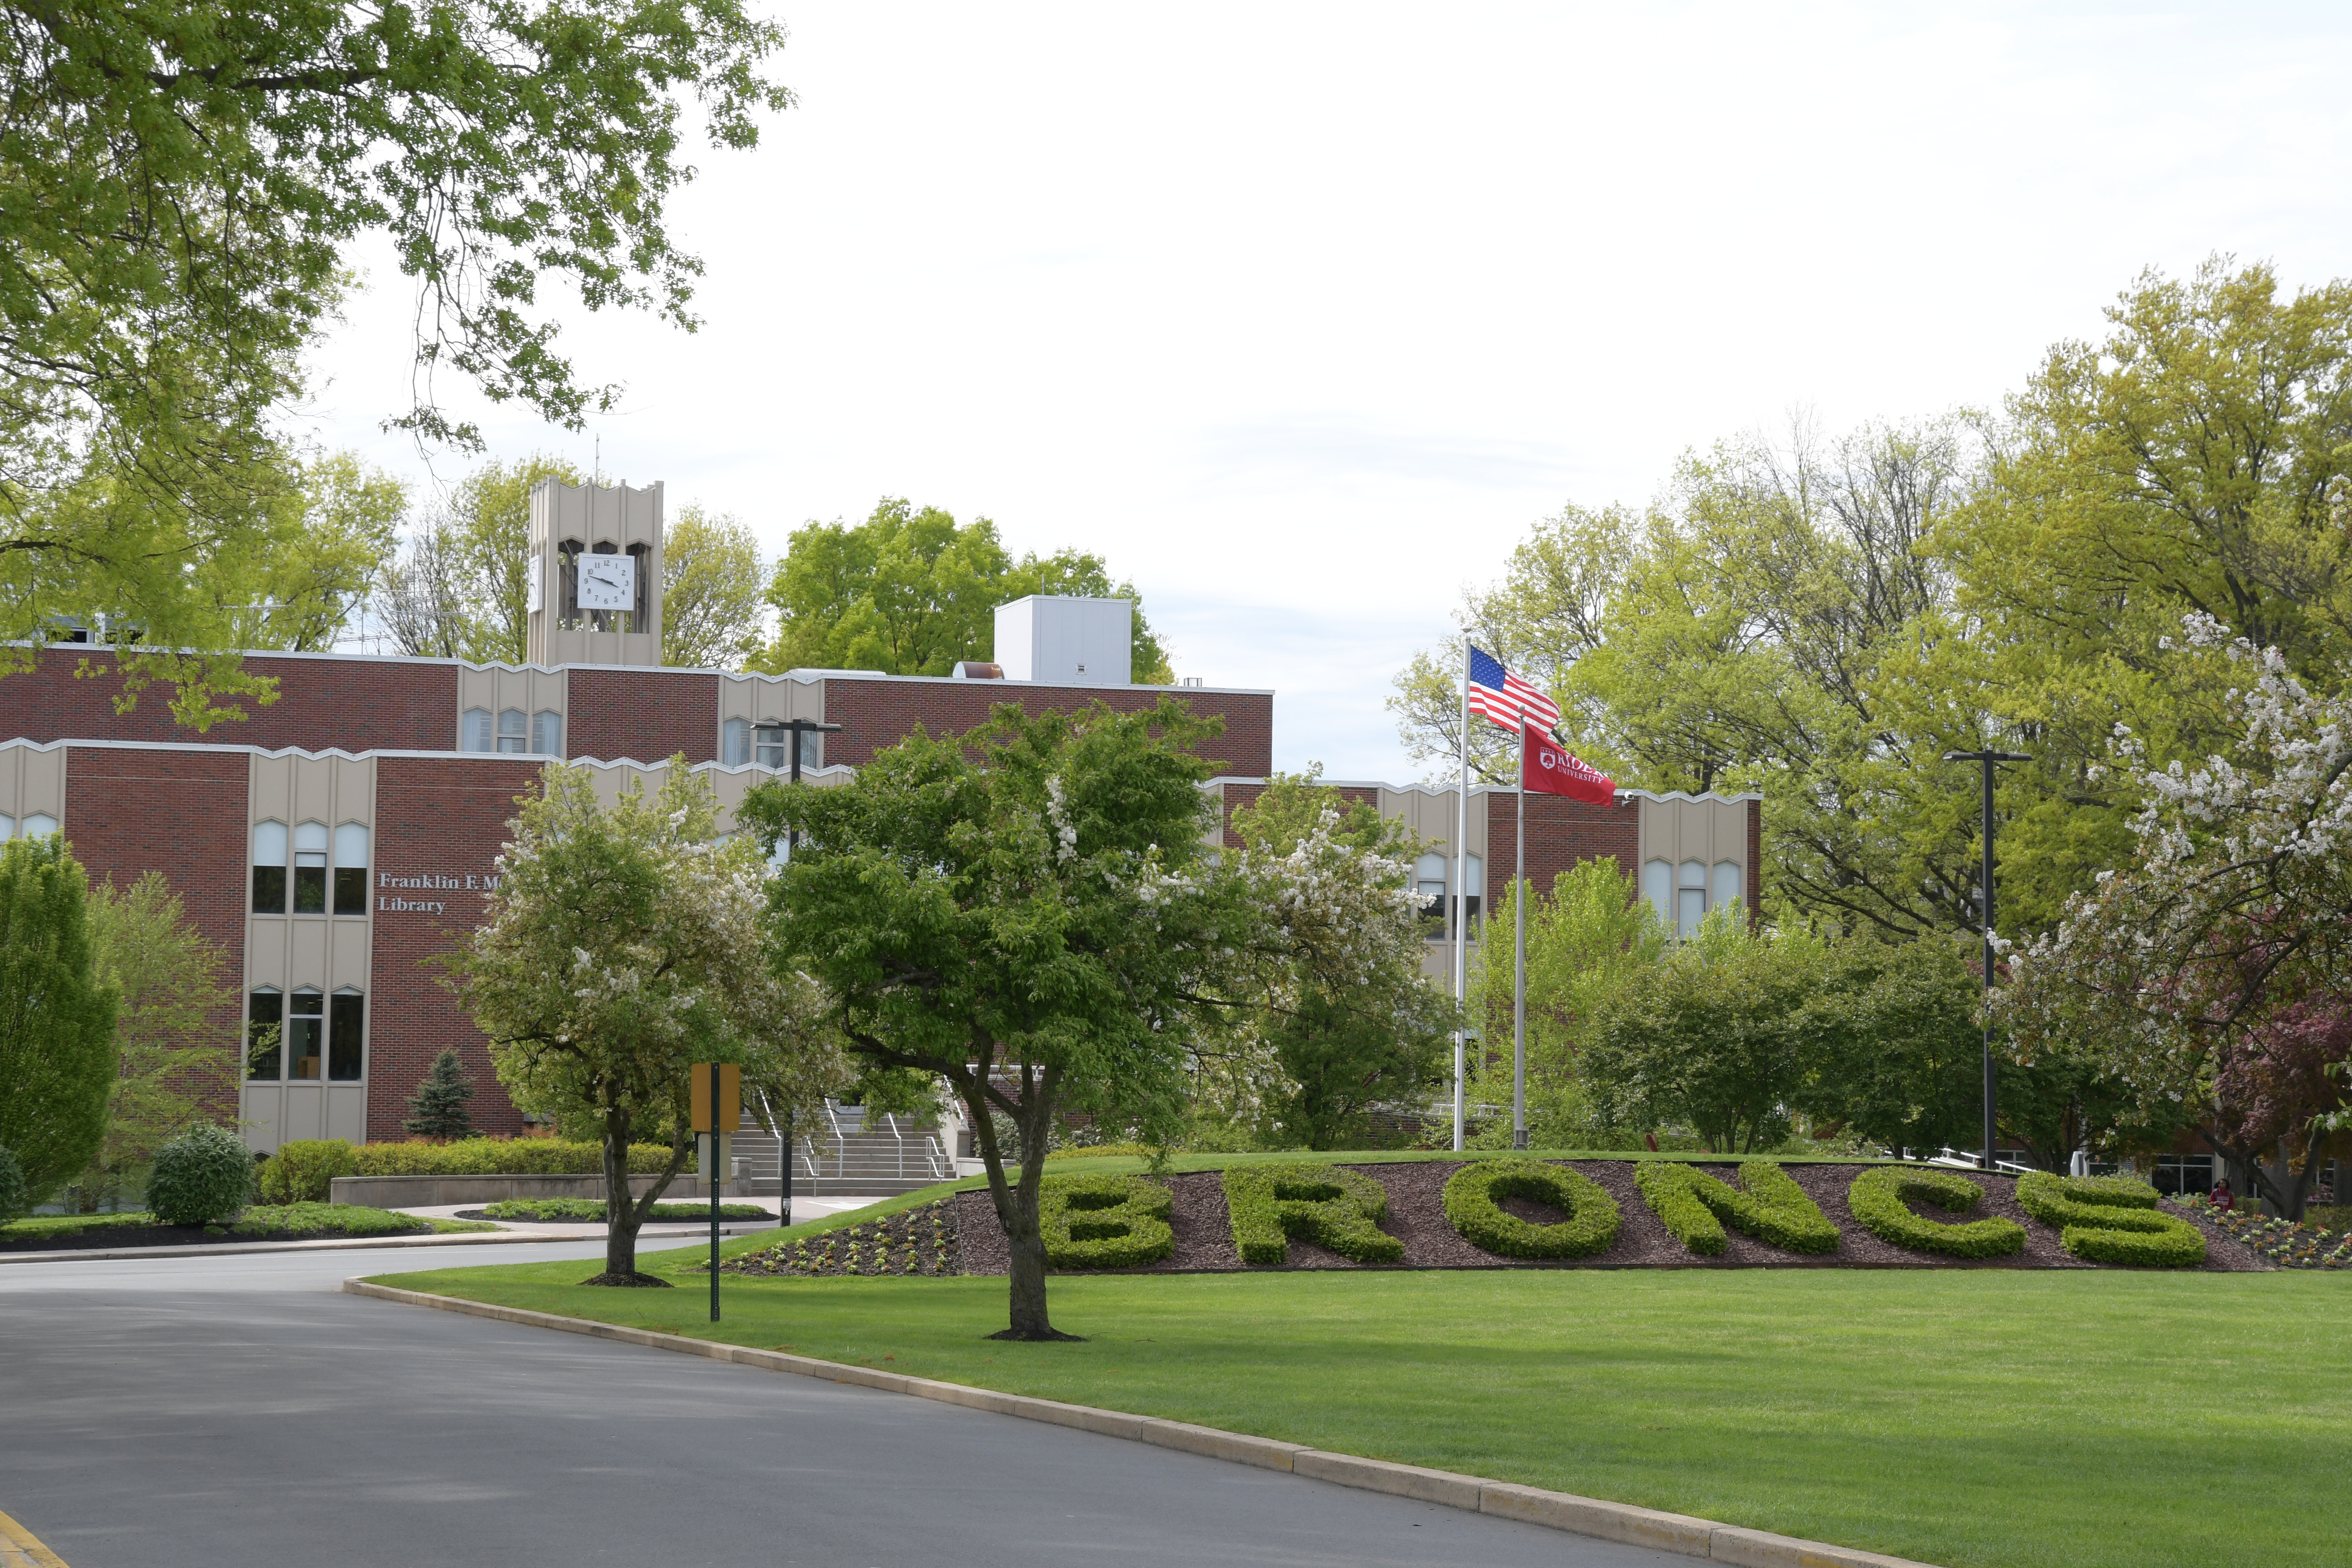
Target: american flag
1504,700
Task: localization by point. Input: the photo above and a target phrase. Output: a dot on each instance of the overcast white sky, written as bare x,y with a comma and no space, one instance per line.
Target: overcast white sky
1301,314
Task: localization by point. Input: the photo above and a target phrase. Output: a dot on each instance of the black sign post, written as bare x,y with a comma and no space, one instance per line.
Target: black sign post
1991,953
715,1104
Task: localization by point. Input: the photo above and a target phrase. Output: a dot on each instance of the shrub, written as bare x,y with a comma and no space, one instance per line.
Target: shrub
13,1191
1104,1222
1878,1199
2110,1219
338,1219
1472,1206
500,1157
1773,1209
202,1177
303,1171
1327,1204
560,1209
437,1109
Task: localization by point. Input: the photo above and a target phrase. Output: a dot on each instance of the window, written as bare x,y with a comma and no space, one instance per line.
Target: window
305,1022
775,748
735,749
8,826
1727,884
1690,897
547,733
641,618
345,1018
1429,885
2178,1174
310,869
269,868
40,824
475,735
511,726
264,1018
351,869
567,602
1658,888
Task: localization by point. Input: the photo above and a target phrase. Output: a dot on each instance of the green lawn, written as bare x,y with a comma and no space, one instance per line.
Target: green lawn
1959,1418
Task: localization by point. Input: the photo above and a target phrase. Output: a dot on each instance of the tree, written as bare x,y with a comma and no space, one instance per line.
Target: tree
1027,912
489,540
330,553
1899,1057
421,598
910,592
713,592
2209,974
437,1109
1341,1020
622,945
184,185
177,1067
56,1016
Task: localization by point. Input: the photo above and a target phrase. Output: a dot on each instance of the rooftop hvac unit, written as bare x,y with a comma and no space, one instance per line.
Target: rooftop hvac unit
1066,642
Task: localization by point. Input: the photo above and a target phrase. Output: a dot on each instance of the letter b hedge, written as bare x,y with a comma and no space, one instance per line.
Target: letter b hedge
1105,1221
2110,1219
1332,1206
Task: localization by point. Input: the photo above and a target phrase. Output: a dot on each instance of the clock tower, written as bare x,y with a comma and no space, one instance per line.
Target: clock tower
594,588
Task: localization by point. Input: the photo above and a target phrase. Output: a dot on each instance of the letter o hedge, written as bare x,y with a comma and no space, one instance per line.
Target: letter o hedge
1104,1222
1332,1207
2110,1219
1877,1198
1695,1206
1472,1205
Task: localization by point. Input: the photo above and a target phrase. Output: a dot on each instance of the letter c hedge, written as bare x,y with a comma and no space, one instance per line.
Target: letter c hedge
1472,1207
1877,1198
2110,1219
1327,1204
1104,1222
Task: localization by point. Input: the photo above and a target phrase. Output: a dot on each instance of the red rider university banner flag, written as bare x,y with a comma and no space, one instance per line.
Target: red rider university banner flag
1550,768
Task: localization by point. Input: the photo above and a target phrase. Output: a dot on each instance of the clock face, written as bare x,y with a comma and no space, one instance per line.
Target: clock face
608,582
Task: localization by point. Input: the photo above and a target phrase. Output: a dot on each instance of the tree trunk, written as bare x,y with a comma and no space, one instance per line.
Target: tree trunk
620,1212
1017,1208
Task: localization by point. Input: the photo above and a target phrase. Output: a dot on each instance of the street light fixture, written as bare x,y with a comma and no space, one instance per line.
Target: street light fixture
796,728
1989,759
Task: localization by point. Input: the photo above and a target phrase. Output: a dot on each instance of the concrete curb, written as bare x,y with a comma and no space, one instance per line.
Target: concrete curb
1618,1522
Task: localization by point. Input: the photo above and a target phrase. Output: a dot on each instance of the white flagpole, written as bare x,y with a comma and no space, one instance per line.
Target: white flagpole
1461,894
1520,958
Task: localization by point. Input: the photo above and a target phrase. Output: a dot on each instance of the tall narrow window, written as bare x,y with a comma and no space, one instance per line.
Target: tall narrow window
1727,884
269,868
1690,897
265,1020
1473,886
351,869
641,617
1658,887
40,824
310,869
812,751
475,735
8,826
547,733
772,748
512,728
345,1017
735,742
1429,885
305,1022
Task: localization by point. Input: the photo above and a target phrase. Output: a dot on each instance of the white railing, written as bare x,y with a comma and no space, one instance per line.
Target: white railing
1960,1159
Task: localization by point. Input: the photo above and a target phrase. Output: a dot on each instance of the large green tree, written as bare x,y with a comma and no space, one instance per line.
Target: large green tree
1027,912
714,599
56,1016
910,590
180,187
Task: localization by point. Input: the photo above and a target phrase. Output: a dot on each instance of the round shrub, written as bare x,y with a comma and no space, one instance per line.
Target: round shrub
1472,1206
2110,1219
1879,1199
13,1189
1105,1221
304,1171
202,1177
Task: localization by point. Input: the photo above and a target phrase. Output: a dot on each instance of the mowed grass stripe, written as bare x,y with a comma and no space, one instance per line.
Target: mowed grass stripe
1964,1418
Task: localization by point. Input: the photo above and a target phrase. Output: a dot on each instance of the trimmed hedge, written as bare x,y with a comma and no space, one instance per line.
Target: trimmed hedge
202,1177
1695,1206
2111,1219
1878,1200
500,1157
1104,1222
1473,1207
303,1170
335,1219
1327,1204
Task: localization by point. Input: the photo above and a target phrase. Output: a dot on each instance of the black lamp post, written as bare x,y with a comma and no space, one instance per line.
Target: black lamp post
1989,759
796,728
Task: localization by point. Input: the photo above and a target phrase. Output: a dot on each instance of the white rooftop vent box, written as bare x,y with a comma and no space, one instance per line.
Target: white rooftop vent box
1066,642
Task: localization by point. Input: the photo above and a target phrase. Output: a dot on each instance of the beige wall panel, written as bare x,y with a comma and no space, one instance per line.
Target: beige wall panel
260,1109
1708,830
267,952
1431,815
33,781
348,959
347,1112
306,1112
758,697
499,687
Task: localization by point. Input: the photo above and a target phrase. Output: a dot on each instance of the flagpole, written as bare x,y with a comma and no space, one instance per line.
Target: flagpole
1461,911
1519,957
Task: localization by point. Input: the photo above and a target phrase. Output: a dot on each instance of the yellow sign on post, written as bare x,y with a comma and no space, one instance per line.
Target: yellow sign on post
730,1107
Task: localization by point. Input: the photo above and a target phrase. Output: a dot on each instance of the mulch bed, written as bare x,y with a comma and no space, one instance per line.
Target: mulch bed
1416,1216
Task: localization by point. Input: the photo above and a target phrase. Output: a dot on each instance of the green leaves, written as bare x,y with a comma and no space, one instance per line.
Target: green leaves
58,1047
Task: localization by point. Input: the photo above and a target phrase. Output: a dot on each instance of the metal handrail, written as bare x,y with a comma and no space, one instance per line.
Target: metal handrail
839,1151
1959,1159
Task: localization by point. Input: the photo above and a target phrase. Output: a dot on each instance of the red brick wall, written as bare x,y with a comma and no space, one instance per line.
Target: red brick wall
1561,833
357,704
648,714
880,713
446,817
183,814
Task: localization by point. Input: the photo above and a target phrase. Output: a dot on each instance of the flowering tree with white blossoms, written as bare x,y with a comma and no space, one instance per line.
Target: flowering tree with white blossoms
622,945
2213,975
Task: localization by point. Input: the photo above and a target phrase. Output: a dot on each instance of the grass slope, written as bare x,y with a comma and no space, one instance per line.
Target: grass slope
2027,1420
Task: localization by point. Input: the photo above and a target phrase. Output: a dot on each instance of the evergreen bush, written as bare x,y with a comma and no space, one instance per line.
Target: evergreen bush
1327,1204
1472,1206
2111,1219
204,1176
1695,1206
437,1109
1879,1199
304,1171
1105,1221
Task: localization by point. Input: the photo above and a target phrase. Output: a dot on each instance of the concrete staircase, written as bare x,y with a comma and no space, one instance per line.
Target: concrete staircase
847,1154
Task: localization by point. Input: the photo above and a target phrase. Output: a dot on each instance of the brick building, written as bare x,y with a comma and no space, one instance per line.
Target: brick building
337,839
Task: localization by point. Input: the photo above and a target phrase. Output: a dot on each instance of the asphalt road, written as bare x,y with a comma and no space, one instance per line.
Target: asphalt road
241,1411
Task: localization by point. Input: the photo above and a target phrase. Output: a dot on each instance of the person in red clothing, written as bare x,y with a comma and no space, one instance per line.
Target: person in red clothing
2221,1198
